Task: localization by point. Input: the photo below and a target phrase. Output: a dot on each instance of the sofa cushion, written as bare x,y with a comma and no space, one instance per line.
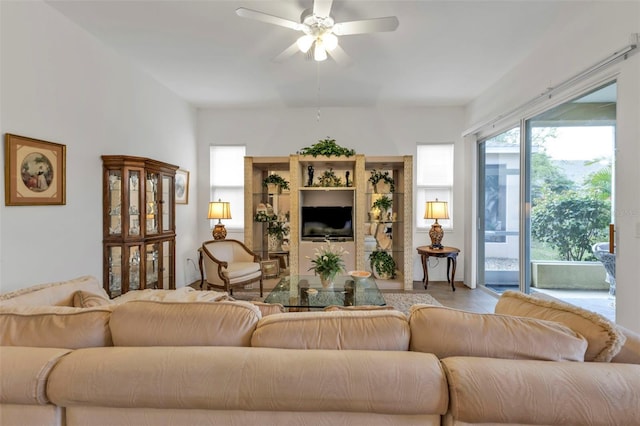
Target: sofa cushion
449,332
85,299
485,391
54,293
603,337
182,294
269,308
25,372
371,330
630,351
251,379
54,326
152,323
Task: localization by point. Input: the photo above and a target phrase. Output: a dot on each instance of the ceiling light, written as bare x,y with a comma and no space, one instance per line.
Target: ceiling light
319,53
304,43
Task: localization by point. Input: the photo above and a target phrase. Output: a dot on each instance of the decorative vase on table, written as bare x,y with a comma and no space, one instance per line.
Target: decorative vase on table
327,281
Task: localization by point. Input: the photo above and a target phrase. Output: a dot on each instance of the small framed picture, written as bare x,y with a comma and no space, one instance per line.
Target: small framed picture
270,268
35,172
182,186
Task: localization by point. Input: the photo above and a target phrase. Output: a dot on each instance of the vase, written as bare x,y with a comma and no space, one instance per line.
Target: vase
274,242
327,282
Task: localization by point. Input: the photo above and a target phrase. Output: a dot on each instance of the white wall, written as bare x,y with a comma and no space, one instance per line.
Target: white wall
603,28
369,131
58,83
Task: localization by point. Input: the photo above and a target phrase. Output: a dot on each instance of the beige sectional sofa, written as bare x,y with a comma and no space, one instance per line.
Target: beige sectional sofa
188,358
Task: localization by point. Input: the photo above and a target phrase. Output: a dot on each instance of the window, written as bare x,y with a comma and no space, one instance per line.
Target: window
227,181
434,180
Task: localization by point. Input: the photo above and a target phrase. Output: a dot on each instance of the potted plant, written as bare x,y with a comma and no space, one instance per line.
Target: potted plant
378,176
275,183
276,231
383,204
382,264
329,179
326,147
328,262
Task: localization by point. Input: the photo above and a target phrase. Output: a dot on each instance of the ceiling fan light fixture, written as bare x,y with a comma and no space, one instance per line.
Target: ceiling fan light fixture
330,41
319,53
304,43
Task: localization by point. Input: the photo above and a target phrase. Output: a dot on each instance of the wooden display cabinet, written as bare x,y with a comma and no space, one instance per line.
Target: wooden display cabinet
138,224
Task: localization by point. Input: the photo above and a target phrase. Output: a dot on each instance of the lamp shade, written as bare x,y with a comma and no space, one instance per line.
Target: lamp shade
219,210
436,210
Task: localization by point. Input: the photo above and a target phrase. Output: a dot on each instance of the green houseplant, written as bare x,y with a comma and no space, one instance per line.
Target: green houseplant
378,176
328,262
383,203
328,148
277,180
382,264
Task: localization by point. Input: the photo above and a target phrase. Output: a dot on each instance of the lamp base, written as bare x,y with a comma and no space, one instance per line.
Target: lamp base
436,233
219,232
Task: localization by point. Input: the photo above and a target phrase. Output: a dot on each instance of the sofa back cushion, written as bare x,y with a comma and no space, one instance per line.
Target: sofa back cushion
449,332
486,391
603,337
151,323
365,330
54,326
254,380
54,293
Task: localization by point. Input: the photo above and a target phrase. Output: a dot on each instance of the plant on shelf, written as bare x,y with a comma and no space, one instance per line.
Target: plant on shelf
382,264
277,180
265,217
329,178
327,147
383,204
328,262
380,176
278,229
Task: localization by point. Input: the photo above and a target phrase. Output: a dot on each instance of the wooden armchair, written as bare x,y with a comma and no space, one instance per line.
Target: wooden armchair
225,264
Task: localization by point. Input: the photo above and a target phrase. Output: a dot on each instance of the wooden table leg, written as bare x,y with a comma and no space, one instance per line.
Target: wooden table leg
425,273
200,261
453,261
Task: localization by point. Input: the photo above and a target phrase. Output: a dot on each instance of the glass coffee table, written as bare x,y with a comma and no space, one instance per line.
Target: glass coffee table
306,291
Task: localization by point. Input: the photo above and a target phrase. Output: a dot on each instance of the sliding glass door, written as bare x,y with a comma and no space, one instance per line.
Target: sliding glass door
499,211
546,204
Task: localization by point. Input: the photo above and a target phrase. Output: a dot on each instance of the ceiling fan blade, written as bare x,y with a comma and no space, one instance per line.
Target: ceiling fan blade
322,8
376,25
265,17
287,53
340,56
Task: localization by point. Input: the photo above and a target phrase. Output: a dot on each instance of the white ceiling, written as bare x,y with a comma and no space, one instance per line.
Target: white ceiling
443,52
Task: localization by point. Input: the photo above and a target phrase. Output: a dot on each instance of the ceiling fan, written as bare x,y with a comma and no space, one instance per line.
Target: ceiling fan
320,30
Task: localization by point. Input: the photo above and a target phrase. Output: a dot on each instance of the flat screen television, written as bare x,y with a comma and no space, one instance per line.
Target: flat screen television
322,222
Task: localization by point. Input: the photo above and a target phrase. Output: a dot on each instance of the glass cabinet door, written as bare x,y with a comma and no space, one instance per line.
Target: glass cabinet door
114,202
153,264
115,270
135,201
167,203
152,203
167,264
135,271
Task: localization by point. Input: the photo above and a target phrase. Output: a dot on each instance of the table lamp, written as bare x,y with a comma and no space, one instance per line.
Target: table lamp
219,210
436,210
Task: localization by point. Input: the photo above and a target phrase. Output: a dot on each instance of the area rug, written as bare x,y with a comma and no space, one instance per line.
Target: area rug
400,301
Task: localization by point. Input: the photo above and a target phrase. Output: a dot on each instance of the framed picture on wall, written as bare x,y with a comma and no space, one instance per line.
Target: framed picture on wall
35,172
182,186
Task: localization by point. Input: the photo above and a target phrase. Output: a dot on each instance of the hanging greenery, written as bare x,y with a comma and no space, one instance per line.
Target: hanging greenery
327,147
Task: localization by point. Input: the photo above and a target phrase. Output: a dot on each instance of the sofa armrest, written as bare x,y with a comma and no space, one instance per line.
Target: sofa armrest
25,371
488,391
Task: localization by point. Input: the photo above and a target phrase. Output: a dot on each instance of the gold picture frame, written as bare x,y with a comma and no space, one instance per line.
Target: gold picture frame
34,172
182,186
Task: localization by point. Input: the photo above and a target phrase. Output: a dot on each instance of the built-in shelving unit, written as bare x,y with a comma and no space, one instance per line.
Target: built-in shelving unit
335,182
